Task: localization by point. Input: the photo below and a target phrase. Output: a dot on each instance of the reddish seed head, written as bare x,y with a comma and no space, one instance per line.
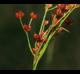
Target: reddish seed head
68,21
46,22
58,11
59,16
60,29
49,5
33,15
66,8
27,28
61,6
19,14
52,16
37,37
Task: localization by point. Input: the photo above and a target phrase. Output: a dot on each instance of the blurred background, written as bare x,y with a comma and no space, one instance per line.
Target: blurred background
62,53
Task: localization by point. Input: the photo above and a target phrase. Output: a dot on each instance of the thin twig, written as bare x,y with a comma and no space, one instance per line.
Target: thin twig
29,44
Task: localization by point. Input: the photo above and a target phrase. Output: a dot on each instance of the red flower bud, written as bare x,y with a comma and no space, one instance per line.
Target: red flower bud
33,15
59,13
52,16
27,28
61,6
60,29
68,21
37,37
19,14
49,5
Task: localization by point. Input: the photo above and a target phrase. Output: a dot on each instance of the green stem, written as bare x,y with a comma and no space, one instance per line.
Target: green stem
47,43
43,21
42,26
27,35
21,23
29,43
66,16
41,53
52,8
47,10
30,21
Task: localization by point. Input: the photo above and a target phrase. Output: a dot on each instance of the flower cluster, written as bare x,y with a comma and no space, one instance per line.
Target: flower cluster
57,14
20,15
60,14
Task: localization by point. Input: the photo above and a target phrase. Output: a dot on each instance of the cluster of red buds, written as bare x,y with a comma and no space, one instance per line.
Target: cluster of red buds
59,15
59,12
20,15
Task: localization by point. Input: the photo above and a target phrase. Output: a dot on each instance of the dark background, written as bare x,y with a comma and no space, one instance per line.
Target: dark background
62,53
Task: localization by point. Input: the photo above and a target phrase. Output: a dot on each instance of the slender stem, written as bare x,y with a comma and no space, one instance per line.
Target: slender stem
21,23
66,16
42,26
29,43
27,35
43,20
51,26
42,23
30,21
46,45
66,30
52,8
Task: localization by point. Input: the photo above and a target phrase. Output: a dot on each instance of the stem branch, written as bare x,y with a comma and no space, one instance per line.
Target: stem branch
29,44
47,43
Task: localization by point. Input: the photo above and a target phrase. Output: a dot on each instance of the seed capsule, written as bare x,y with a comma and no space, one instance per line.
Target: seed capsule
33,15
27,28
68,21
60,29
49,5
46,22
19,14
61,6
37,37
